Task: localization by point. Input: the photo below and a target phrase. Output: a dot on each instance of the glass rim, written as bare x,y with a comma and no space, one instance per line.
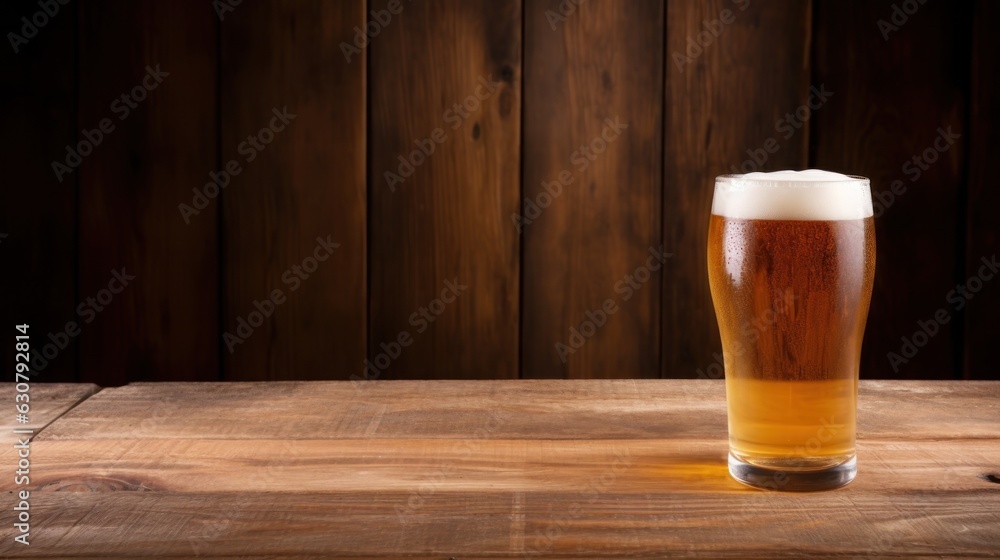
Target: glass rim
733,177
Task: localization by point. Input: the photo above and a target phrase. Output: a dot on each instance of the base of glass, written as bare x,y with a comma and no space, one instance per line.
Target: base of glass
793,479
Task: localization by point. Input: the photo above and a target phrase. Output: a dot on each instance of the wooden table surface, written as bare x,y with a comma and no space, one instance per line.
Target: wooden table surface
471,469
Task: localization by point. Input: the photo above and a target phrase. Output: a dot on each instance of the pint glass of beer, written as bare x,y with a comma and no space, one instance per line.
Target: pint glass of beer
791,259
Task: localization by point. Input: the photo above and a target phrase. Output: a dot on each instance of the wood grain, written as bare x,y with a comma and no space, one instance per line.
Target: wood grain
299,185
982,236
596,409
447,484
448,221
164,322
590,215
467,465
735,524
37,211
728,94
878,121
48,401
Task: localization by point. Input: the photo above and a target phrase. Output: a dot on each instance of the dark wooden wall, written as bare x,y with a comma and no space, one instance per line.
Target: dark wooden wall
507,92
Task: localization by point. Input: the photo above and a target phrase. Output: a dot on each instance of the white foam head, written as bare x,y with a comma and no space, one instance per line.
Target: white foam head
792,195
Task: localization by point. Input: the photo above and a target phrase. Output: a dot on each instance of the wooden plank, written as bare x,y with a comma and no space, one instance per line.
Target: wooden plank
148,73
47,401
982,235
468,465
37,210
443,226
579,498
632,409
299,192
651,526
590,216
878,131
726,112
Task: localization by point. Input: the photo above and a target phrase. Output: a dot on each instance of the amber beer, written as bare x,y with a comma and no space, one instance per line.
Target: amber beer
791,260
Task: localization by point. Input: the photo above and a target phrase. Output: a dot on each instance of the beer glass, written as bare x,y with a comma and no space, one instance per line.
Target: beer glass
791,260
